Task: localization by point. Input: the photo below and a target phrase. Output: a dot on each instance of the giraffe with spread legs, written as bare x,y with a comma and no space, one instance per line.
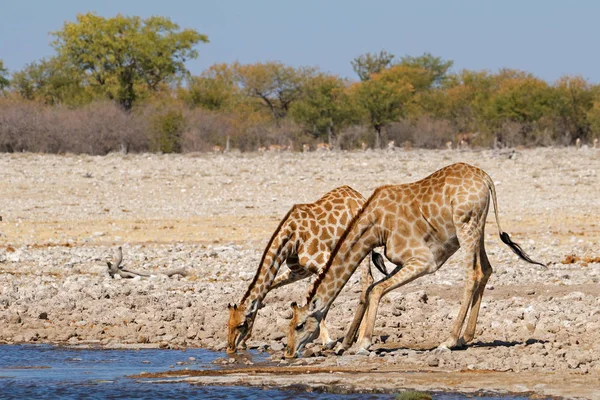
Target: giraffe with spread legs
421,225
304,240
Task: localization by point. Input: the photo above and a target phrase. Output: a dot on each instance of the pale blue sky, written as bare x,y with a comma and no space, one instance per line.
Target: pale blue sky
548,38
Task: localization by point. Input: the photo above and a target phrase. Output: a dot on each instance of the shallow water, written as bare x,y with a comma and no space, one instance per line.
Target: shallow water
44,371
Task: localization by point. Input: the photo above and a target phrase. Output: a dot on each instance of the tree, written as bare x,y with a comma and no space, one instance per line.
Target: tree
276,86
4,82
574,98
325,107
435,66
465,100
52,82
215,89
368,64
593,117
384,97
125,56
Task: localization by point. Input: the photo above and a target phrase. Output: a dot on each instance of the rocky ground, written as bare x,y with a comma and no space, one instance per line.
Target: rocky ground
64,216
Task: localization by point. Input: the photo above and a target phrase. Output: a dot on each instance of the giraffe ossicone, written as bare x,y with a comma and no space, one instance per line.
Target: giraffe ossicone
421,224
303,240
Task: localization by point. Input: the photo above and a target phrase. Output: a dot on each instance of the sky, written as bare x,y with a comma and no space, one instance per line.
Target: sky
547,38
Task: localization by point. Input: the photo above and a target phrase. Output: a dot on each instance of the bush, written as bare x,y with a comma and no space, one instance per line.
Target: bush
98,128
205,129
425,132
166,131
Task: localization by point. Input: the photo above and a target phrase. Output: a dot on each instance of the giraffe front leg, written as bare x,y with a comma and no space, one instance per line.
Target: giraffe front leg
328,343
366,282
422,263
290,276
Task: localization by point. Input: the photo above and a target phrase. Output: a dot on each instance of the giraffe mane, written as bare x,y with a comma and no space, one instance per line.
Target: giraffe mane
353,221
262,259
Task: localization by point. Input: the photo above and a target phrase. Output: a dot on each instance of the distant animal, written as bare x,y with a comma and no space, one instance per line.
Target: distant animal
323,147
465,140
449,145
275,148
595,143
217,149
364,146
262,149
305,148
391,145
578,143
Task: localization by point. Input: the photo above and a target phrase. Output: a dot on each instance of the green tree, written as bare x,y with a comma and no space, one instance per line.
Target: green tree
4,82
384,97
593,117
215,89
51,82
368,64
277,86
464,99
325,107
125,56
522,99
436,67
574,98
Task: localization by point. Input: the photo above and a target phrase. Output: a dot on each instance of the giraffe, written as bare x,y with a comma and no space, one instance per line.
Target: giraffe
421,224
304,240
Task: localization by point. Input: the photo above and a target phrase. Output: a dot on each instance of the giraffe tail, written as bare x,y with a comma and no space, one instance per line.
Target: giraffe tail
518,250
377,260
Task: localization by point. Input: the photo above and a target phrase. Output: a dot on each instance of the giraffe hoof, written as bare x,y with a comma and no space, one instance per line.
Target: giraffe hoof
442,348
362,352
339,350
329,345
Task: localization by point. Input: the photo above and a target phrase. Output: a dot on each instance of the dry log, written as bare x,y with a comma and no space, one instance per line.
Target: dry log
115,268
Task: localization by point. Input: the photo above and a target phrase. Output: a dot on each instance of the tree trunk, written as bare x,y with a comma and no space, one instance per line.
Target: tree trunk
378,137
331,137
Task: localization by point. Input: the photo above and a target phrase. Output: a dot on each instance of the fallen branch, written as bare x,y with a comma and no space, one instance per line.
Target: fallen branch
115,268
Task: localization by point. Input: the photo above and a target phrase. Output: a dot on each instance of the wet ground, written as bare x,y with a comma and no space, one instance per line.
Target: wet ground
44,371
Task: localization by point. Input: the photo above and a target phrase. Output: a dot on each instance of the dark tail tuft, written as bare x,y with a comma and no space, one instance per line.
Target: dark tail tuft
378,262
518,250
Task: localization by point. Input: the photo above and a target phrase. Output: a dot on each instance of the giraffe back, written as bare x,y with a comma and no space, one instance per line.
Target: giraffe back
318,226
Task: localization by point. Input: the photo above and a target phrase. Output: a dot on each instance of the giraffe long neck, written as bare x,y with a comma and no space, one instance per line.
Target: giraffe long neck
279,248
353,247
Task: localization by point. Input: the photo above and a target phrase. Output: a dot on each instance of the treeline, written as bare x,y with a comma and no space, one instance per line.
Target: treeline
121,84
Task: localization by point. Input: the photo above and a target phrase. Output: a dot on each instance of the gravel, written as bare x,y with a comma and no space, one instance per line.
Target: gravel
64,216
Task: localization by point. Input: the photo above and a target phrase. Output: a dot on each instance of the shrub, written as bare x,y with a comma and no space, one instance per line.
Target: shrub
98,128
166,131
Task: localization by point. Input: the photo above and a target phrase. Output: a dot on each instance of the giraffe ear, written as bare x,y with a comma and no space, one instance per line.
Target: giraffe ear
294,305
229,306
254,306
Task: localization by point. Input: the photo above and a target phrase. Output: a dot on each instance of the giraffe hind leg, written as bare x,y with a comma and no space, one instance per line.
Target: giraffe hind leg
469,333
470,237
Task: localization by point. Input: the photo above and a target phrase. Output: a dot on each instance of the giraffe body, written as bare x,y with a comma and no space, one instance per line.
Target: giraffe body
304,240
421,225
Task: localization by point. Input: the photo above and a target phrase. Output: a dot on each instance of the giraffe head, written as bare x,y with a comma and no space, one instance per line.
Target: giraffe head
304,328
239,325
